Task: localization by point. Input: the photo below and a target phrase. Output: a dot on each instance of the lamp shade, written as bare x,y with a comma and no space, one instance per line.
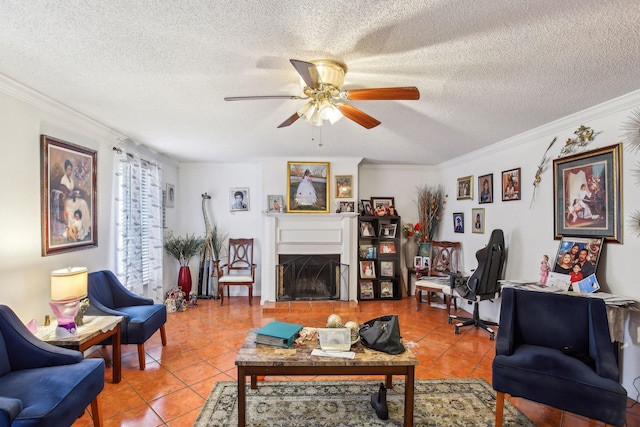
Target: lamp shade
69,284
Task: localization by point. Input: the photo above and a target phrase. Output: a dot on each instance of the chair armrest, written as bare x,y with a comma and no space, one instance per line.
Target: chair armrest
600,345
96,308
9,410
25,351
505,339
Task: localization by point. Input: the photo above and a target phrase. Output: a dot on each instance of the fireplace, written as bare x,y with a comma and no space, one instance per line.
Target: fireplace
310,277
320,235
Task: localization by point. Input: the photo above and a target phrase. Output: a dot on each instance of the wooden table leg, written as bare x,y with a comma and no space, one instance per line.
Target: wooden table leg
117,355
242,397
388,381
409,384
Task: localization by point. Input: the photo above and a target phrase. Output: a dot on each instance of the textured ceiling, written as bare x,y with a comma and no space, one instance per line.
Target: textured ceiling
157,71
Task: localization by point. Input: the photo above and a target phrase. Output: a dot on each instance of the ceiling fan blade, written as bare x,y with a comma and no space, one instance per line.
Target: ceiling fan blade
307,71
251,98
358,116
388,93
291,120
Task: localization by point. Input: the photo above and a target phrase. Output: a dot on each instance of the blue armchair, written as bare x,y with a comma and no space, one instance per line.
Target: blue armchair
43,385
141,317
556,350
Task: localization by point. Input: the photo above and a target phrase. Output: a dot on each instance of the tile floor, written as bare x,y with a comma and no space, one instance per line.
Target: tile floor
203,341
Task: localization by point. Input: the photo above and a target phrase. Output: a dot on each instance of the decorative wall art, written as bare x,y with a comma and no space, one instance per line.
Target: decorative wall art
465,188
239,199
477,220
458,222
511,185
587,194
171,195
308,187
485,188
68,196
344,186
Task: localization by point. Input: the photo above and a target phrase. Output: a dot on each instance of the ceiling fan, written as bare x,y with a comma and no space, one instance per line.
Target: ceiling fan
321,82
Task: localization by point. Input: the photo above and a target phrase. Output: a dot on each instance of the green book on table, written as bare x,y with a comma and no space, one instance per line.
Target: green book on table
280,334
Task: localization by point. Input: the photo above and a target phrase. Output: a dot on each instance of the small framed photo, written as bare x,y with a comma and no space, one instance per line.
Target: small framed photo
458,222
368,252
387,269
367,209
511,185
386,289
366,229
485,188
417,262
366,289
344,186
387,248
171,195
367,270
238,199
388,231
382,205
425,262
578,257
477,217
275,203
347,206
465,188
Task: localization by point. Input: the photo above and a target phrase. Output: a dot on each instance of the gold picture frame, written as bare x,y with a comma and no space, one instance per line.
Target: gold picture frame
308,187
344,186
464,188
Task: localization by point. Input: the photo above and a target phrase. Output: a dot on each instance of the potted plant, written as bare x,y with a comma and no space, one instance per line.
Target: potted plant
183,249
431,201
216,246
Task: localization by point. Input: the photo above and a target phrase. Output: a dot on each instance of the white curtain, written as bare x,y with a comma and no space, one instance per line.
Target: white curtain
138,213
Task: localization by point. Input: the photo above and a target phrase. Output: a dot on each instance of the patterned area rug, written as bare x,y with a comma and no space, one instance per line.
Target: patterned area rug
451,402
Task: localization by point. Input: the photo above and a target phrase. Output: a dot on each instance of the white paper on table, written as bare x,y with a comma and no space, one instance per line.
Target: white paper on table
340,354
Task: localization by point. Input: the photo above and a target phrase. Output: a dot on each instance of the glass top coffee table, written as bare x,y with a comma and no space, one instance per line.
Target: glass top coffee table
258,359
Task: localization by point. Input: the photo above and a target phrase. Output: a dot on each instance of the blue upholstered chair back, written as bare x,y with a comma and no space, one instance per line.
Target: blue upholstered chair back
4,357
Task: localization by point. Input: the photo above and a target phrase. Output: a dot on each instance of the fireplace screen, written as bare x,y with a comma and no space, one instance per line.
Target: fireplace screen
310,277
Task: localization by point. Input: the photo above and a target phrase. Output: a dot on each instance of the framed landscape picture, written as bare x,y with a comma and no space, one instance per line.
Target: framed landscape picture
587,194
308,187
68,196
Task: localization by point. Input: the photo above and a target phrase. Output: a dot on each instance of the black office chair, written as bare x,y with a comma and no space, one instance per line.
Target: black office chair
483,283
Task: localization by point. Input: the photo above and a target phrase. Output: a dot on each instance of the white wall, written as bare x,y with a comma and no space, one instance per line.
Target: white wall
24,272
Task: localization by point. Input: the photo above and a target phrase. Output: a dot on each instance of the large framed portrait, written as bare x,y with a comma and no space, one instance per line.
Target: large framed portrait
511,185
69,192
308,187
587,194
485,188
238,199
465,188
344,186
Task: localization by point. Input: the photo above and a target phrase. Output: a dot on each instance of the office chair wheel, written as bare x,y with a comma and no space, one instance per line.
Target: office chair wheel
492,336
451,320
457,329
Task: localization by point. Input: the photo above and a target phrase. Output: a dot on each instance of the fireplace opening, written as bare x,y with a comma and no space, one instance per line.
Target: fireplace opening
310,277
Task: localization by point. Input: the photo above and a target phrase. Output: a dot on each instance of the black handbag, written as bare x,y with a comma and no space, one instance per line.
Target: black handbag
382,334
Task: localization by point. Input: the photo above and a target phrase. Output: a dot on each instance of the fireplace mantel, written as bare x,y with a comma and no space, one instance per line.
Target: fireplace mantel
309,234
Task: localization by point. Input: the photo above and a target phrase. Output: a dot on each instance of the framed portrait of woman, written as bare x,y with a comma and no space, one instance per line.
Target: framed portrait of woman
511,185
308,187
485,188
68,200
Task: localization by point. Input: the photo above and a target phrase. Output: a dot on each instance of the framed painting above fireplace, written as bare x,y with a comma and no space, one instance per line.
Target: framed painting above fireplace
308,187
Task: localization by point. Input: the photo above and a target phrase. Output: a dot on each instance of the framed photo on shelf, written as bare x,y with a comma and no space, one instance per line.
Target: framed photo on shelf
425,262
368,252
367,209
238,199
344,185
587,194
465,188
366,229
367,270
275,203
379,203
388,231
366,289
387,248
346,206
308,187
417,262
511,185
458,222
577,256
485,188
387,269
477,218
386,289
69,190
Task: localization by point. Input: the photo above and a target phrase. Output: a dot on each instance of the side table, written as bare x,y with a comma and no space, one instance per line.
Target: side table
94,331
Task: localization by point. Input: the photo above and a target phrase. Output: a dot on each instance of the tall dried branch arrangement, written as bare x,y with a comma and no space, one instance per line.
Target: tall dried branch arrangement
431,201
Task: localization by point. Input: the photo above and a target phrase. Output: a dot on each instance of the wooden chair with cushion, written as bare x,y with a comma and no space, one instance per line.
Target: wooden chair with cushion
240,270
444,258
